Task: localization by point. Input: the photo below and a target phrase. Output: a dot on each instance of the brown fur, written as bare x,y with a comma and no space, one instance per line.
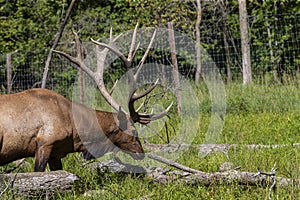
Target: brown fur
44,124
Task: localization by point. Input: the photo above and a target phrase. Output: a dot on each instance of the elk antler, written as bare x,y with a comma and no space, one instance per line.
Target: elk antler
98,75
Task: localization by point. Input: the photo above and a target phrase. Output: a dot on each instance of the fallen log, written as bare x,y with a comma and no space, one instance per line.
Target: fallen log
207,149
227,177
191,176
37,184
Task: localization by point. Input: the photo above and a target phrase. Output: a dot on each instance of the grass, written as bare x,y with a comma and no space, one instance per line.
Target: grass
255,114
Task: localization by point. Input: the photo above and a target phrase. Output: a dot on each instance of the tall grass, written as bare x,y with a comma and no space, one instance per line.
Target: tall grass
255,114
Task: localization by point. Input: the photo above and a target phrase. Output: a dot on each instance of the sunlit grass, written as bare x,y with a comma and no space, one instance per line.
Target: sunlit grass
254,115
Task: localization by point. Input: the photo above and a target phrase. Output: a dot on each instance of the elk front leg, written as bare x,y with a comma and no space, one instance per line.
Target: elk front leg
55,164
42,156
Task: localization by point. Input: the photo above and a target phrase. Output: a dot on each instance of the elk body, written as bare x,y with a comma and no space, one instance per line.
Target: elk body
40,123
44,124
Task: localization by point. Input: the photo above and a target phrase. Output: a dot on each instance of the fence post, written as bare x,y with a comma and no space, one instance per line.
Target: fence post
198,45
175,65
247,74
8,72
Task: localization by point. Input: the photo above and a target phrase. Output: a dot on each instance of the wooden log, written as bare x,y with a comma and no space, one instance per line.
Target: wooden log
219,178
207,149
195,177
37,184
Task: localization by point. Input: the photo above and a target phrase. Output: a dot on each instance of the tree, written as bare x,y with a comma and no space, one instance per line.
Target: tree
58,36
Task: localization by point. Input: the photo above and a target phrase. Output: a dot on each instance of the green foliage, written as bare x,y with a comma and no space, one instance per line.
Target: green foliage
32,25
28,25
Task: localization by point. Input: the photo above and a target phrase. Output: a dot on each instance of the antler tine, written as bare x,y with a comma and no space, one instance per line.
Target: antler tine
133,96
136,117
96,76
113,49
79,47
144,118
78,60
141,117
133,50
110,35
129,60
133,78
161,114
100,66
147,118
101,57
141,63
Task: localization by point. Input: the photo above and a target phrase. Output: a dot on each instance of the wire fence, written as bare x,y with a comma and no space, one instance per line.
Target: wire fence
275,50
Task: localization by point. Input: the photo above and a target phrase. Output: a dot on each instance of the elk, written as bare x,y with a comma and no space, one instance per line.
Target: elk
42,124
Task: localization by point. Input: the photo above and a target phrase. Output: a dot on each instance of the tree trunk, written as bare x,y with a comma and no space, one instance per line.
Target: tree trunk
247,73
58,36
37,184
198,43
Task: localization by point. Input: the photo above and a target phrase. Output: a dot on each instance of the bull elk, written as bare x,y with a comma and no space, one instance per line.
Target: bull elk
40,123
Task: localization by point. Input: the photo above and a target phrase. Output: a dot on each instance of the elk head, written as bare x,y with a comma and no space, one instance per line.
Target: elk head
125,136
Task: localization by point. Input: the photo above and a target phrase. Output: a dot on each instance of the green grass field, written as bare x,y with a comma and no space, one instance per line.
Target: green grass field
255,114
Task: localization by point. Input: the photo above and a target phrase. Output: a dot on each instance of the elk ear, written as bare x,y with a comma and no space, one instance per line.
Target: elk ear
122,118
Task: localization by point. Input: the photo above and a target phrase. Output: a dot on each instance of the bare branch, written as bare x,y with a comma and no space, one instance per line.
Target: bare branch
173,163
58,36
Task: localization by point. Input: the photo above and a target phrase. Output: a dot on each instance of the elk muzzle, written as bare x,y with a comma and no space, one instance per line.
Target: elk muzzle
138,156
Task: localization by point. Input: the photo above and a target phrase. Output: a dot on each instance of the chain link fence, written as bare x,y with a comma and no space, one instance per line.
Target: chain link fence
275,50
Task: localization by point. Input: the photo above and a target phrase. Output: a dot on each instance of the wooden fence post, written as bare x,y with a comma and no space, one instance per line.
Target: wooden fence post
198,42
8,72
175,65
247,74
